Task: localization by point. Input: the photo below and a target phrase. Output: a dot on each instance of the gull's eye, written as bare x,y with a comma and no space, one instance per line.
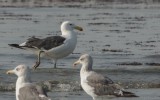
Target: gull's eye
82,59
70,24
17,69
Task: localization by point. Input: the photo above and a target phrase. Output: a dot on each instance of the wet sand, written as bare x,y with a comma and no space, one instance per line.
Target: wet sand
63,84
145,94
53,78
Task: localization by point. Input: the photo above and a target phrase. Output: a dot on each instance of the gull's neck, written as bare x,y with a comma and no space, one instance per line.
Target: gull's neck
68,33
21,81
86,67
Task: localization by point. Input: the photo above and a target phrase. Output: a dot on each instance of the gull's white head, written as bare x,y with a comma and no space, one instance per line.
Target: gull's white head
86,61
20,70
69,26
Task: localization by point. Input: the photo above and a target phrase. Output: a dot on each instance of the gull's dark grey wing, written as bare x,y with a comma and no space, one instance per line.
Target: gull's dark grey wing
52,42
46,43
32,92
33,42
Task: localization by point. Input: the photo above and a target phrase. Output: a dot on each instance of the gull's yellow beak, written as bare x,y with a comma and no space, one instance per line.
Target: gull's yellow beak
10,72
76,63
78,28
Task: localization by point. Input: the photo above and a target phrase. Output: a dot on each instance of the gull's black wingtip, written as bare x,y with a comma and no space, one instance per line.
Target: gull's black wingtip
15,45
129,94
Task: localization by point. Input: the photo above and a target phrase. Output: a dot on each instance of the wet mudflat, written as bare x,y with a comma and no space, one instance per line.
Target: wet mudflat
114,37
123,40
64,84
145,94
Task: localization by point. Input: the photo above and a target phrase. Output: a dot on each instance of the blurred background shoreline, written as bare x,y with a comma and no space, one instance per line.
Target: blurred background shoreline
80,3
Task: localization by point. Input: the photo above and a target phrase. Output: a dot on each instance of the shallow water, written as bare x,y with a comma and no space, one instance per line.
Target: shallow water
123,39
111,36
64,84
144,94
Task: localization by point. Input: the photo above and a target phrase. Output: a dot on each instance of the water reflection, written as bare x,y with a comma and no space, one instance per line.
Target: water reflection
51,3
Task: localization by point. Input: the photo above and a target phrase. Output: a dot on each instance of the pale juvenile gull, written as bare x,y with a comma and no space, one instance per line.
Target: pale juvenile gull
53,47
97,85
25,90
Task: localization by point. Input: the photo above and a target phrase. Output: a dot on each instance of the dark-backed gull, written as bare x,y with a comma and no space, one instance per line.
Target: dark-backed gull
97,85
53,47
